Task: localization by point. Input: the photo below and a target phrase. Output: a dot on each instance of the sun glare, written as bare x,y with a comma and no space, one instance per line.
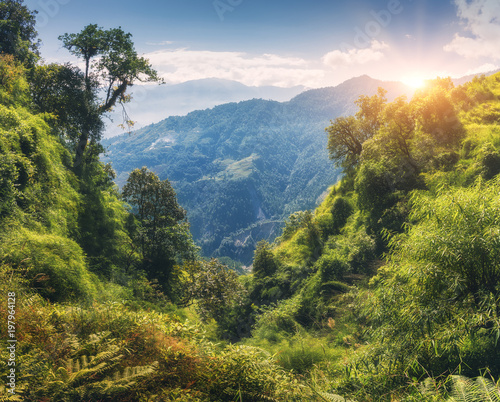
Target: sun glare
414,81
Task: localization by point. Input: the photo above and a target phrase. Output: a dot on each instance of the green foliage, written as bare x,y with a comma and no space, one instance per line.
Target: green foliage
60,90
434,306
341,210
480,389
331,266
56,265
489,160
278,322
217,290
346,135
104,224
356,248
263,262
13,84
251,378
459,237
302,356
17,32
437,113
294,222
162,233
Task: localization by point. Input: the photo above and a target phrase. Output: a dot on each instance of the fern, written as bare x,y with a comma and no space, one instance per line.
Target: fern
489,389
463,389
95,377
332,397
479,390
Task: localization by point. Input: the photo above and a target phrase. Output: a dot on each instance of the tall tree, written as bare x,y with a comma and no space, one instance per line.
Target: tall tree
116,68
163,233
61,91
346,135
17,32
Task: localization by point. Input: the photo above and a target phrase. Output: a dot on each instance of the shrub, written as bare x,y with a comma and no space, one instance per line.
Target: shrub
55,264
341,210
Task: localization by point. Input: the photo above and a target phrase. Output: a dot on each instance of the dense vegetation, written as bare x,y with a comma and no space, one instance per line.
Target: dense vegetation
241,168
388,291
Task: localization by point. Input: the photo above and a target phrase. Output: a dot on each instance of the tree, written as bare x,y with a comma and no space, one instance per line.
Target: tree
436,112
163,233
14,89
61,91
399,130
263,262
117,67
346,135
217,290
344,141
370,111
17,32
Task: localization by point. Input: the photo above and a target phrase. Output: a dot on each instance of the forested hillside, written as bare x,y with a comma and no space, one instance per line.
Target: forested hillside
93,287
240,168
387,291
149,104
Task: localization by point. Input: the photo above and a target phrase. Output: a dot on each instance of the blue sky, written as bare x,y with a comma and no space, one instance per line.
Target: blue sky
294,42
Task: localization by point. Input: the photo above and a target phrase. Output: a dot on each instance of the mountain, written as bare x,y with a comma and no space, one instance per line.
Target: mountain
151,103
240,168
467,78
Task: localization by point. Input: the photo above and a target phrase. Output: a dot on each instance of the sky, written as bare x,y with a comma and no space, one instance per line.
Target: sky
314,43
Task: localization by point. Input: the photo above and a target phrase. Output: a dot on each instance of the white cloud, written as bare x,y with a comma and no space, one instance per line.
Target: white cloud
485,68
163,43
339,58
181,65
482,19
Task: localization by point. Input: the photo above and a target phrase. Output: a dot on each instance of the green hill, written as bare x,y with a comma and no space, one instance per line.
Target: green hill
388,291
390,287
240,168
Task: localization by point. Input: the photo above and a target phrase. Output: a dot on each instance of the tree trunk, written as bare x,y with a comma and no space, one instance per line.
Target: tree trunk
80,150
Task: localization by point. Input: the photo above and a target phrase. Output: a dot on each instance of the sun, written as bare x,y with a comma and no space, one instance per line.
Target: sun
414,81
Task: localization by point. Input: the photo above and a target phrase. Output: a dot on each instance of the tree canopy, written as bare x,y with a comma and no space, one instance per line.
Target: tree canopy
17,32
346,135
163,233
116,68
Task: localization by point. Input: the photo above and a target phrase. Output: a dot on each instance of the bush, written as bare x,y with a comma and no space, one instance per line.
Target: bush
341,211
331,266
279,321
434,306
489,160
55,265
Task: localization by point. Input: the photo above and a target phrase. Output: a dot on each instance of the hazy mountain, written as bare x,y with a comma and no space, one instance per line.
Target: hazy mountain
467,78
240,168
152,103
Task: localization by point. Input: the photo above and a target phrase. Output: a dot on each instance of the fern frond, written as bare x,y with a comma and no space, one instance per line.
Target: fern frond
463,389
479,390
488,389
332,397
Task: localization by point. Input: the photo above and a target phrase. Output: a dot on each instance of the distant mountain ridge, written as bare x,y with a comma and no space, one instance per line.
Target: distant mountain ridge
240,168
467,78
150,101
